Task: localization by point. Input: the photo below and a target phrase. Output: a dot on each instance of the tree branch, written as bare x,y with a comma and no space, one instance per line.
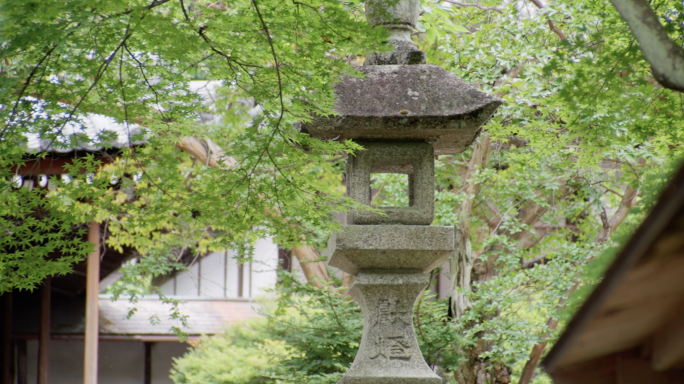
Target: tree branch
627,202
316,271
210,154
664,55
207,152
495,9
538,349
552,25
536,353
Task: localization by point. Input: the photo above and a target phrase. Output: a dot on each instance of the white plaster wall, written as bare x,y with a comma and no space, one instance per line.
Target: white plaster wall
119,362
232,275
246,279
216,275
213,274
167,287
264,266
186,282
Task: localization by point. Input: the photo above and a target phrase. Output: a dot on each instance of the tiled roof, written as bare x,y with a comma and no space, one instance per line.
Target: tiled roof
204,316
89,132
93,132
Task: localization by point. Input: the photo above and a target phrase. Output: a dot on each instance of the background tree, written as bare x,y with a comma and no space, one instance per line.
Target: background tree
541,194
190,188
662,52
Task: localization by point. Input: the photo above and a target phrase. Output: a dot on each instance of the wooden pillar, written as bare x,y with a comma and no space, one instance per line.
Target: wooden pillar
92,331
148,362
7,340
44,333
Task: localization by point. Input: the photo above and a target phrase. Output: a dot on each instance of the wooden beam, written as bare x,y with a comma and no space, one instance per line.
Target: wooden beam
44,333
51,167
668,341
22,362
628,367
143,338
148,362
638,370
7,339
92,330
597,371
629,315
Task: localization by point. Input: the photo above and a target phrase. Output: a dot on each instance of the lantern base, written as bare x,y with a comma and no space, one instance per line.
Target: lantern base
389,352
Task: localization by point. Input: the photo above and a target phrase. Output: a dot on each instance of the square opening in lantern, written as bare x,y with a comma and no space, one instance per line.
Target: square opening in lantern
390,190
413,161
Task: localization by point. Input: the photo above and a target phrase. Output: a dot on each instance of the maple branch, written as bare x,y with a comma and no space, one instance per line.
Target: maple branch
536,353
611,190
610,225
512,74
377,194
495,9
552,25
493,222
626,203
207,152
526,264
210,154
527,216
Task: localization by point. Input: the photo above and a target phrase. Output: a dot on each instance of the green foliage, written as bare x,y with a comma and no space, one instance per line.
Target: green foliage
321,329
583,120
132,60
237,356
653,184
318,331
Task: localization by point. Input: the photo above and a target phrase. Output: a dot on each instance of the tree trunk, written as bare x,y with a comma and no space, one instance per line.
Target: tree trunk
476,370
461,262
483,371
664,55
538,350
316,271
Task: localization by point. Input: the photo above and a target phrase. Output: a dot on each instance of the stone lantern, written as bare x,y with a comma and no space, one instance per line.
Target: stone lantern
403,112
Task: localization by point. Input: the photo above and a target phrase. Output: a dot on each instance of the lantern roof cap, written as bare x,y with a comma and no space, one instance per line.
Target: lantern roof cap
407,103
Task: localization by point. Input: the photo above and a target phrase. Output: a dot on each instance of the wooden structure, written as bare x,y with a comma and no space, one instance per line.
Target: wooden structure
69,288
631,328
84,281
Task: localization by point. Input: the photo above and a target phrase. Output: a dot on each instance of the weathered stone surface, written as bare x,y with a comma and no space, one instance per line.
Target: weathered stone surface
413,159
402,54
390,247
399,17
389,352
392,12
407,103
